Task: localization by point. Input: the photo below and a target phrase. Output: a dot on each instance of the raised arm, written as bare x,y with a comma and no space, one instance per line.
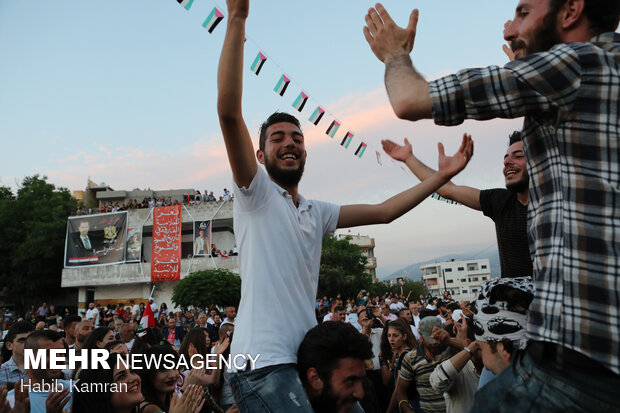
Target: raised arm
464,194
407,89
387,211
229,91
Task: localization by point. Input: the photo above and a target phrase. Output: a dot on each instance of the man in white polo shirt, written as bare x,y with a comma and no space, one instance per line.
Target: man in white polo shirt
279,233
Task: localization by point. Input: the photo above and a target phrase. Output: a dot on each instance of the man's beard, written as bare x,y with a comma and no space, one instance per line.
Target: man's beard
521,185
327,402
545,37
282,177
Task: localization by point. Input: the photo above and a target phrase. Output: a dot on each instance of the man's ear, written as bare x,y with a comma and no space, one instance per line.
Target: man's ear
9,346
314,381
570,14
260,155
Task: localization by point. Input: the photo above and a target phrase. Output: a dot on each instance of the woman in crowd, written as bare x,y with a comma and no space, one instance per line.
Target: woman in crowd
117,346
396,341
158,385
98,338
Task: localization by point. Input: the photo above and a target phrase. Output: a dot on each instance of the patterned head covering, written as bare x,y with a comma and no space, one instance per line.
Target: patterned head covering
502,308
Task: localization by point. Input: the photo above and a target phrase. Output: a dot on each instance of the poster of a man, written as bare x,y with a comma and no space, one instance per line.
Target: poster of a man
96,240
134,244
202,238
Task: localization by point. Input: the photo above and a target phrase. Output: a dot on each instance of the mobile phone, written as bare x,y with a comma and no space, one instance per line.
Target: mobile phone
369,312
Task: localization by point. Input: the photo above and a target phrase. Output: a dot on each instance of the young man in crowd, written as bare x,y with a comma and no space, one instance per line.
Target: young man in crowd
331,367
82,329
506,207
231,314
13,369
280,232
564,80
70,324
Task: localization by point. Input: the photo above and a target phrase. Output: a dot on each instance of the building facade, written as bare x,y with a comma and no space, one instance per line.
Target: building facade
367,245
461,279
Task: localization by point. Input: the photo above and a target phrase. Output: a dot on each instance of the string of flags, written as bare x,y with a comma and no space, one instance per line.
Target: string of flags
301,101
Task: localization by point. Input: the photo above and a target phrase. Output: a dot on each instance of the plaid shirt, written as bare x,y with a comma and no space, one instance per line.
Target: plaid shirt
569,96
10,373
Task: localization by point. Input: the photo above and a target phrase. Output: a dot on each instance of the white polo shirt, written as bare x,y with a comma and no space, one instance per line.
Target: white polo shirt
279,257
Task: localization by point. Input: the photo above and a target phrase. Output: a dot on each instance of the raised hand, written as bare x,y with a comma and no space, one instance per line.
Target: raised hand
506,47
396,151
238,8
220,348
191,401
452,165
385,37
56,401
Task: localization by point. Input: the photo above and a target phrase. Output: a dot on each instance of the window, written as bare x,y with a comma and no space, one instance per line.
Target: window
449,281
483,267
464,291
484,278
472,267
475,279
463,280
461,268
474,290
448,270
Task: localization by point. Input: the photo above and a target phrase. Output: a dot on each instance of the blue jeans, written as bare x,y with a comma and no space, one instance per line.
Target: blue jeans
529,386
270,389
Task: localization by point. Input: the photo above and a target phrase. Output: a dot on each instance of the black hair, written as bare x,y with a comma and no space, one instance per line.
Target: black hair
275,117
603,15
403,327
71,319
146,338
96,401
32,342
339,308
109,346
325,344
20,327
453,306
403,310
96,335
508,346
514,137
195,336
149,391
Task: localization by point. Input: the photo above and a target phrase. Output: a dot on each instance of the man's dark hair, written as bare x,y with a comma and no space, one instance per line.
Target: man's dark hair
20,327
72,319
514,137
339,308
276,117
508,346
32,342
326,344
603,15
453,306
402,310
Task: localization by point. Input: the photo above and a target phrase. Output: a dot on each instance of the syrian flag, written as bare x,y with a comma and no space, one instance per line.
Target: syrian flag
360,150
347,140
258,63
378,158
148,319
300,102
186,3
281,86
317,115
333,128
214,18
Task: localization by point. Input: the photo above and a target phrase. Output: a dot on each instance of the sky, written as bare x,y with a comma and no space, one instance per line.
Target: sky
125,93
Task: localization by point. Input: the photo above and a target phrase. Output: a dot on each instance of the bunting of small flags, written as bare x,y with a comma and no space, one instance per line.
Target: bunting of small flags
317,115
214,18
333,128
378,158
441,198
360,150
258,63
282,84
300,102
186,3
346,141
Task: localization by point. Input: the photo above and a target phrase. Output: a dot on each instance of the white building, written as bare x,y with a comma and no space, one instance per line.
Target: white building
119,283
367,245
461,279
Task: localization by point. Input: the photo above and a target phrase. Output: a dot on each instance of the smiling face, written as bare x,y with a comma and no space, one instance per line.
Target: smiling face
129,399
343,389
515,168
533,29
284,156
165,381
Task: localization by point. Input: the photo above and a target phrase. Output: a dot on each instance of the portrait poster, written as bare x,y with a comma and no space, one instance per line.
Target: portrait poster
96,239
166,248
202,238
134,245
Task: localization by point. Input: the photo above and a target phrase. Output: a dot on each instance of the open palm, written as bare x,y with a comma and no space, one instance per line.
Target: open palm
452,165
396,151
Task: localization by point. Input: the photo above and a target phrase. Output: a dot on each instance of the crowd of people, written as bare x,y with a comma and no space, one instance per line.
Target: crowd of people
191,199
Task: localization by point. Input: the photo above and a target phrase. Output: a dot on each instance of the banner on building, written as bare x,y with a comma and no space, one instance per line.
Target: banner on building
202,238
166,248
96,239
134,245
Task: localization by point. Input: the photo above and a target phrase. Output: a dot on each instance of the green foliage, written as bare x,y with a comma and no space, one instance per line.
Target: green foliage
415,287
204,288
32,228
342,269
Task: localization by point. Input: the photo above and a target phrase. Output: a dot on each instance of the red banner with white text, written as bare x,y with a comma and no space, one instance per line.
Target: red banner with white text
166,249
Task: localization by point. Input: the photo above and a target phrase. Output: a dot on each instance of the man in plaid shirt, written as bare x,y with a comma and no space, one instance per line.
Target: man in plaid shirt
13,370
566,82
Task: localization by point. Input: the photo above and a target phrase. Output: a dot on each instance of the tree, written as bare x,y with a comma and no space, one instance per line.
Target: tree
415,287
343,269
204,288
32,228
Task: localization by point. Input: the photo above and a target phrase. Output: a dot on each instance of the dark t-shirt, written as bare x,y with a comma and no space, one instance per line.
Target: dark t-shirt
510,217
